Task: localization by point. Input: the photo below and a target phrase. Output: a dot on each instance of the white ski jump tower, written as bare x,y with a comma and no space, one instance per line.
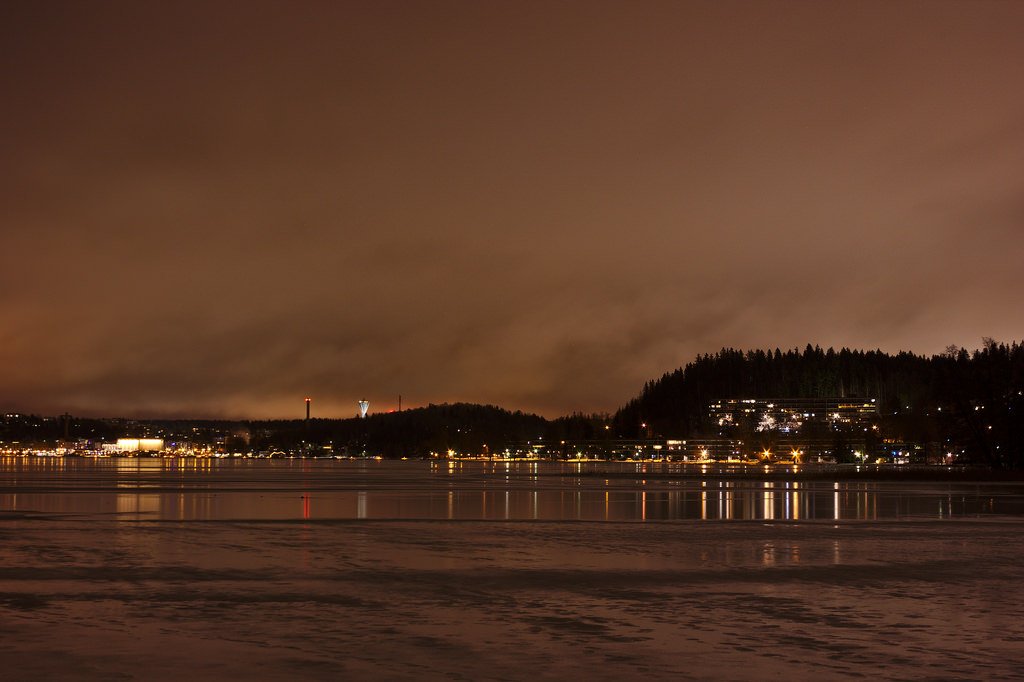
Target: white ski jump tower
364,405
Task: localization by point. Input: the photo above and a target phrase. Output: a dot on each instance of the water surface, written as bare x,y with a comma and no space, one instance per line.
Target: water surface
221,569
209,489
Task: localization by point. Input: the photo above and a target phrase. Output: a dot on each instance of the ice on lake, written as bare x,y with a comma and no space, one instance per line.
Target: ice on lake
159,569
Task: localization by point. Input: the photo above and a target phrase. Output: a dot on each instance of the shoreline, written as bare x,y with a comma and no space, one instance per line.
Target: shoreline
618,469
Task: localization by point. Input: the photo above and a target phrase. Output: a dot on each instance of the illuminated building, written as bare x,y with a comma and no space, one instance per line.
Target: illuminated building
135,445
790,415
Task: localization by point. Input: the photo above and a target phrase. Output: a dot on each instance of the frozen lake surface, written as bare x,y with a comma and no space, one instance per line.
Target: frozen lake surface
165,568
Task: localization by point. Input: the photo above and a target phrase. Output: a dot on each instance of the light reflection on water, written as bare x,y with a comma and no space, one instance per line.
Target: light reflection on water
207,489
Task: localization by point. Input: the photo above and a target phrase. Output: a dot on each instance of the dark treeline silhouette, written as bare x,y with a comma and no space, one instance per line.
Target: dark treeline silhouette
960,400
33,429
677,403
419,432
983,394
462,427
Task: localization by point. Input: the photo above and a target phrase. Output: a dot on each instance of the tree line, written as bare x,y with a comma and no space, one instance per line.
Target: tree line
970,402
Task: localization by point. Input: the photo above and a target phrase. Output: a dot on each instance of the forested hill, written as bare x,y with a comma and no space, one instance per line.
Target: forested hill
991,379
971,403
415,432
678,400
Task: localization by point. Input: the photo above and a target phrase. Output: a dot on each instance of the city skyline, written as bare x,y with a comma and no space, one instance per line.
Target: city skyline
217,210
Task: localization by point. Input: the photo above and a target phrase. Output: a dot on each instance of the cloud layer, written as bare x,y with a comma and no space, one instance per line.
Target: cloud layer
215,209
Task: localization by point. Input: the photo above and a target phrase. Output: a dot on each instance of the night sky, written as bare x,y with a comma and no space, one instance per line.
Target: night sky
218,208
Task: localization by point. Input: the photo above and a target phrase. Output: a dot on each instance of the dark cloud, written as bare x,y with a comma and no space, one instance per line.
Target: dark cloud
218,208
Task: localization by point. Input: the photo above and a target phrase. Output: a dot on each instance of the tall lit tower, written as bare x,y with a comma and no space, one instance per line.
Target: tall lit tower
306,445
364,405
